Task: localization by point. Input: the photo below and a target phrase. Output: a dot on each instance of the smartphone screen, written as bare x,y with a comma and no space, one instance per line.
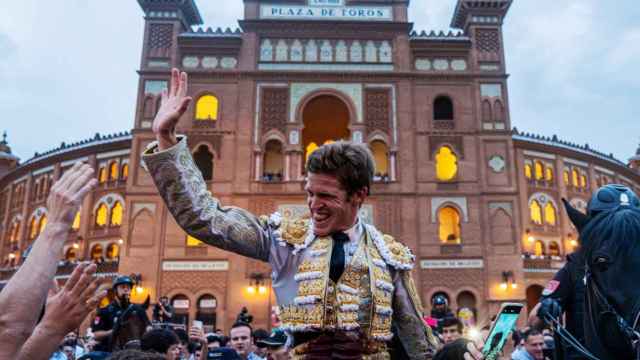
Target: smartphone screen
501,330
198,324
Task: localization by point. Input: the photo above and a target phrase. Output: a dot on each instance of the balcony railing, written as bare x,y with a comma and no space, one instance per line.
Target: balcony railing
65,268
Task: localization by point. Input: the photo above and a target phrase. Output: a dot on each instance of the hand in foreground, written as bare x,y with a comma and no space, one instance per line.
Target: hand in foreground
174,104
66,310
472,352
68,192
197,334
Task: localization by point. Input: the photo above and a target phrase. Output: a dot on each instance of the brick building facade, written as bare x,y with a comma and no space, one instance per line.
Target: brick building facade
478,202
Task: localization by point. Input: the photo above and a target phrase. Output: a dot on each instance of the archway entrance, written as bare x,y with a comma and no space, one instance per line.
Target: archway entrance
325,119
534,292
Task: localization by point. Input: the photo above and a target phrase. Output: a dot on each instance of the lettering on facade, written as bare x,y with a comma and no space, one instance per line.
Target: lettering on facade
452,264
330,12
195,265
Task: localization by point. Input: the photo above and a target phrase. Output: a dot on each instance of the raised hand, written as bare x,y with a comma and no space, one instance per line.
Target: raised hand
174,104
67,194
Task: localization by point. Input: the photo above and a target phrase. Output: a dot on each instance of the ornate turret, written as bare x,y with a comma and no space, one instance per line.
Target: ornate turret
8,161
634,162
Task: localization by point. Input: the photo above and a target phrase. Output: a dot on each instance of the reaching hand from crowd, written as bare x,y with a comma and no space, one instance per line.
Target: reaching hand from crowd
472,352
25,293
174,104
64,312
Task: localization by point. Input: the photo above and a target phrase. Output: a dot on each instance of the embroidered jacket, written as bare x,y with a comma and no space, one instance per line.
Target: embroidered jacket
300,260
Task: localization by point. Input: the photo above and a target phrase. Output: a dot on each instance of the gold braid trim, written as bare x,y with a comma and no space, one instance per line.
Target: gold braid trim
410,285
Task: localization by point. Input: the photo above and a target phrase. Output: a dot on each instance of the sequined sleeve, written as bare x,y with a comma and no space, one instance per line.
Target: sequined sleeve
414,335
201,215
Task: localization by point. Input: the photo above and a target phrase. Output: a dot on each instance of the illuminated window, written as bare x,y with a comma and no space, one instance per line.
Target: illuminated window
124,173
548,174
191,241
96,252
565,177
527,171
449,225
583,181
381,156
273,161
575,178
207,108
539,170
116,214
102,175
113,251
538,249
101,215
33,228
113,171
76,221
71,254
15,230
550,214
554,249
446,164
442,108
42,224
535,212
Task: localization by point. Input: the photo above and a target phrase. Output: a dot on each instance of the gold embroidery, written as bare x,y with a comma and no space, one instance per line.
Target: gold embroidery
311,287
294,231
310,266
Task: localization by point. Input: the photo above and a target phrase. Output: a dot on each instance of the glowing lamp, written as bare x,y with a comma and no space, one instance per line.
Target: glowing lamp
120,241
12,256
514,286
251,289
503,286
262,290
76,246
139,289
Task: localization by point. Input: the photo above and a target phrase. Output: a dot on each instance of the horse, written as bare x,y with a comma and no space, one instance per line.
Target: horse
130,326
609,236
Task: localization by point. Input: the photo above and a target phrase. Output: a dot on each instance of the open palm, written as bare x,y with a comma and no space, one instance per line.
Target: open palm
174,103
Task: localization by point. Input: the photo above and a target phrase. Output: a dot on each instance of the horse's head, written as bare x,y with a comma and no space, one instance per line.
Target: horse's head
610,245
132,324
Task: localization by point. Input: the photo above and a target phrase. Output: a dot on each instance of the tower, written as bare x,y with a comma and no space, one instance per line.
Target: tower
634,162
8,161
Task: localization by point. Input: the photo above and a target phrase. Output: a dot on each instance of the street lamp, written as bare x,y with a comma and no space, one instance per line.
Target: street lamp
257,283
508,278
530,237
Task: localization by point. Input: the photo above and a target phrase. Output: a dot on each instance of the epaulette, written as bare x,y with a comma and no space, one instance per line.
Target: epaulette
288,231
393,252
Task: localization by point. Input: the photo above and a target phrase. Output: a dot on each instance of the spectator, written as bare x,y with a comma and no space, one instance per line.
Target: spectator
260,351
184,342
135,355
533,347
72,340
241,340
213,341
451,330
275,345
454,350
27,289
162,341
162,311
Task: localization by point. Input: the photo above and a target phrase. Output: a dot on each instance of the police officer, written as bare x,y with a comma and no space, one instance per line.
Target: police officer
107,317
440,310
566,292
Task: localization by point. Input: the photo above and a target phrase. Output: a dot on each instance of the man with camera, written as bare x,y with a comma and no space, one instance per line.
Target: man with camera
162,311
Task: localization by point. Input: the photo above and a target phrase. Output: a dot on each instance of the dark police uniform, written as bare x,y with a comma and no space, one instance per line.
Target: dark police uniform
567,288
105,320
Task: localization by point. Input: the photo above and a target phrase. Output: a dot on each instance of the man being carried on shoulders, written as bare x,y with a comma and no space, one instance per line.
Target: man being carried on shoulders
344,289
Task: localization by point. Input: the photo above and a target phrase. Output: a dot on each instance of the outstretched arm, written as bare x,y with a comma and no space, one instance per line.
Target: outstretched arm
184,191
27,289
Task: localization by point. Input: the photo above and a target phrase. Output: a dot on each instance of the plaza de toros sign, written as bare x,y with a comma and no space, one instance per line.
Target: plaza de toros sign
326,10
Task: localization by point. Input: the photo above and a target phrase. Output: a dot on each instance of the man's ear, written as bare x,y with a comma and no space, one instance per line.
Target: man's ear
360,195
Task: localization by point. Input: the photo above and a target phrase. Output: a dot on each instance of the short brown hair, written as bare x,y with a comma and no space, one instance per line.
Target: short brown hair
351,163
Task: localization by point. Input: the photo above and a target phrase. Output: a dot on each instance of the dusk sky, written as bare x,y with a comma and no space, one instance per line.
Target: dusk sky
68,68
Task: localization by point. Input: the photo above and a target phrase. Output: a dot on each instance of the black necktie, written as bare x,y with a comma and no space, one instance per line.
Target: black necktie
337,255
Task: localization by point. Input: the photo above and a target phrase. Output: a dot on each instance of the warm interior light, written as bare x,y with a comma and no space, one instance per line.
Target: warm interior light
574,243
251,289
514,286
76,246
139,289
120,241
503,286
12,256
262,289
531,239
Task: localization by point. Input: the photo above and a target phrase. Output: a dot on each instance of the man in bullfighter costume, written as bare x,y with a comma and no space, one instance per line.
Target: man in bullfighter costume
344,288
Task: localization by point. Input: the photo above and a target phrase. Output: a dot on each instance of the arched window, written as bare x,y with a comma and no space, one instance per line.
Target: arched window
207,108
116,214
96,252
499,112
449,225
539,170
575,177
527,171
15,230
548,174
554,249
381,156
273,161
191,241
102,175
310,149
204,161
539,248
71,255
114,170
443,108
181,305
535,212
318,113
101,215
206,313
76,221
550,214
149,110
33,228
446,164
583,181
565,177
124,171
113,251
486,111
42,223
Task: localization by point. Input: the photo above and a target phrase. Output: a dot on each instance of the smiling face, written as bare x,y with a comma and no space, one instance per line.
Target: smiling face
331,208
